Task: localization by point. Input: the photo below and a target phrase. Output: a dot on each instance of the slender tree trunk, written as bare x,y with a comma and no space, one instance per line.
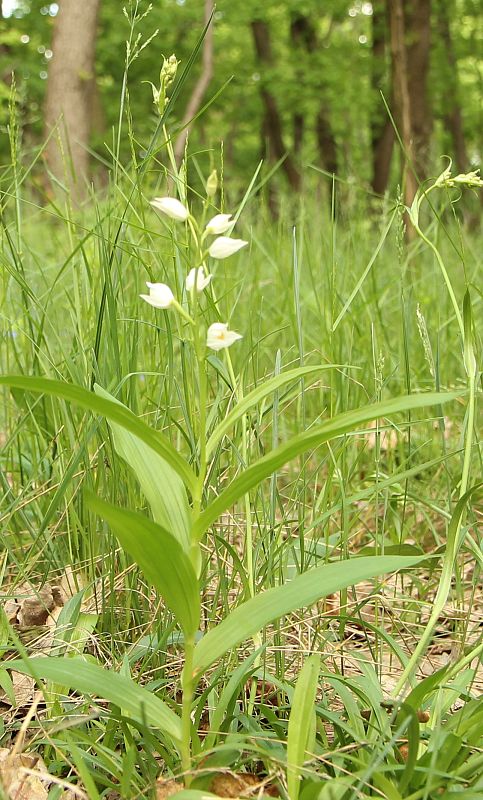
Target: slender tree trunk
303,39
453,118
68,103
273,122
382,131
303,34
402,106
417,23
326,141
201,86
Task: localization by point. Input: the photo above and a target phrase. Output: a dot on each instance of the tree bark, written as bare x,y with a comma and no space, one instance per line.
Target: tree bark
453,118
201,86
326,141
382,131
417,23
402,106
68,103
272,121
302,36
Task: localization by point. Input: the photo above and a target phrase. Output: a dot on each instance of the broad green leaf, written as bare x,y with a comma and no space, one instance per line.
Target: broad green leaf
342,423
82,676
257,395
162,486
112,411
161,558
250,617
301,723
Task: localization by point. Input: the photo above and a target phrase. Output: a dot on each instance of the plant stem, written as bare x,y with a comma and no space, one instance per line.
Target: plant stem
187,686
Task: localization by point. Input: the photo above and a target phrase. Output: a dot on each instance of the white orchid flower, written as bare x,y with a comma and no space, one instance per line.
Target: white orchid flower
197,276
160,295
220,223
172,207
218,336
224,246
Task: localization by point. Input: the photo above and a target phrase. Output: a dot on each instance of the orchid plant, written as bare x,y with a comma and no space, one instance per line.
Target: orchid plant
167,547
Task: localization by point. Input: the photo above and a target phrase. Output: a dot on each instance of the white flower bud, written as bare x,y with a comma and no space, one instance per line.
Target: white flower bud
212,184
160,295
172,207
220,223
198,275
223,247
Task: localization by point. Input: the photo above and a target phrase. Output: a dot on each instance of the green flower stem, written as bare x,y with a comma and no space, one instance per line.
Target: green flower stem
453,545
187,686
444,273
179,308
257,638
238,391
188,682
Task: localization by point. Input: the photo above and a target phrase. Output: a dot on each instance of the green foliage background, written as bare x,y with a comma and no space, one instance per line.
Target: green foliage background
338,75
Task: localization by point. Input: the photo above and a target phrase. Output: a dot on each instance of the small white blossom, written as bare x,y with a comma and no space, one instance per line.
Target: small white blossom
197,275
160,295
223,247
218,336
172,207
220,223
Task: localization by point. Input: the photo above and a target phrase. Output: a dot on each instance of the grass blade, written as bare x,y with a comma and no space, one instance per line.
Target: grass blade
301,724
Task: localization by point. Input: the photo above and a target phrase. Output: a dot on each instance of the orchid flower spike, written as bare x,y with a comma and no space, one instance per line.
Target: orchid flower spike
220,223
197,276
160,295
223,247
219,337
172,207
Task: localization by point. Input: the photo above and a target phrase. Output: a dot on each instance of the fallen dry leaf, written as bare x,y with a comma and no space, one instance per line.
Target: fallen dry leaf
167,788
18,776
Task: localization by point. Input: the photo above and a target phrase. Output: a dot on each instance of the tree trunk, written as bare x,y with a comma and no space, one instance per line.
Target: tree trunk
302,36
201,86
68,101
273,122
453,118
402,107
382,131
326,141
417,23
